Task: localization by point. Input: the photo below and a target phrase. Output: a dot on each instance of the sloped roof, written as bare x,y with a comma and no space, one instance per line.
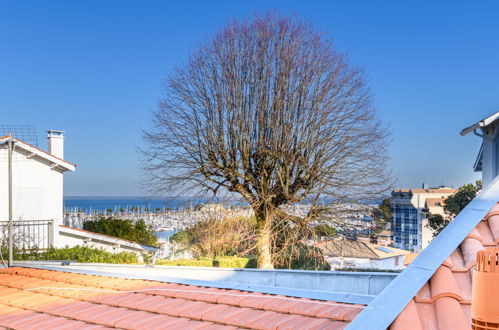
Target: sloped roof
35,151
37,298
408,258
482,123
432,202
355,249
444,302
428,191
99,236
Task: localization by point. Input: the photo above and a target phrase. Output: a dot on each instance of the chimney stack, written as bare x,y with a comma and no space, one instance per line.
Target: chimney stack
56,143
484,302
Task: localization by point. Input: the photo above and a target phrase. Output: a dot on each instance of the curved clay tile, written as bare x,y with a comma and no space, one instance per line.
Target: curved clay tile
475,234
469,248
494,227
408,319
443,284
485,232
424,295
450,314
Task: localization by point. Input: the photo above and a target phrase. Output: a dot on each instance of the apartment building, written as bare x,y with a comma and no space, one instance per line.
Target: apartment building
409,211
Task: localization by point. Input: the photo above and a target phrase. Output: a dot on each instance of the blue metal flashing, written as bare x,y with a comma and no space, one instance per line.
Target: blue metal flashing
341,297
385,308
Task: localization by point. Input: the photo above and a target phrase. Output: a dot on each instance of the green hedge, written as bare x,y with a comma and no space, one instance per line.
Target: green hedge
79,254
224,262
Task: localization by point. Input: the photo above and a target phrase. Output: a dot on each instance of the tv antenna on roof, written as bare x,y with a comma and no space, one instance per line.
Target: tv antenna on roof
26,133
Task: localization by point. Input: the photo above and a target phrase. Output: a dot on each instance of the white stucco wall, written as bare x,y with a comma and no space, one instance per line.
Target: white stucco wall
37,188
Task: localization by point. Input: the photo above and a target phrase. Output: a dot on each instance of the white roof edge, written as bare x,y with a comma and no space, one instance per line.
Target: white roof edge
385,308
110,239
43,154
482,123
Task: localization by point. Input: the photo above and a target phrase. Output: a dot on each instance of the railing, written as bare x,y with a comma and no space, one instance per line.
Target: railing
28,234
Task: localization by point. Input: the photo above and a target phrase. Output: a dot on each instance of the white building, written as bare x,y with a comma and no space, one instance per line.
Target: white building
410,208
37,179
37,199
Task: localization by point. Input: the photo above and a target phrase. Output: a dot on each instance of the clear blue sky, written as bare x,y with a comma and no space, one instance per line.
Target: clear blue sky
95,69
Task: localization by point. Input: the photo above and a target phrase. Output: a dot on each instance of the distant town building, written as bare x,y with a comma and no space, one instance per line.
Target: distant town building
344,253
410,208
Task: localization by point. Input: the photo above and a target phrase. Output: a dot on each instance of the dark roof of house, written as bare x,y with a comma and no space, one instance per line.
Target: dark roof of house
355,249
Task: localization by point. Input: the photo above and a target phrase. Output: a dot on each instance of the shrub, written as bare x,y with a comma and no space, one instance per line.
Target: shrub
224,262
79,254
138,232
213,238
301,256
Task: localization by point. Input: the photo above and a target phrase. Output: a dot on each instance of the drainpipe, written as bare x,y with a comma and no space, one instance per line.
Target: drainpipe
10,241
485,290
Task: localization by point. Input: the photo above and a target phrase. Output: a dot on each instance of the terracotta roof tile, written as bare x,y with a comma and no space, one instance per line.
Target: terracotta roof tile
444,302
37,298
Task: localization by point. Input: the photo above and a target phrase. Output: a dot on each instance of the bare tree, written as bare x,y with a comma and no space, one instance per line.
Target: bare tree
269,110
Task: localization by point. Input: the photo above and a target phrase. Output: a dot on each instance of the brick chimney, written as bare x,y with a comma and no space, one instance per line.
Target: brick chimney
484,302
56,143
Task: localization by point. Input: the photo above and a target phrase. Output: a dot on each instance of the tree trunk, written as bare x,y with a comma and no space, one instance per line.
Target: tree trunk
264,246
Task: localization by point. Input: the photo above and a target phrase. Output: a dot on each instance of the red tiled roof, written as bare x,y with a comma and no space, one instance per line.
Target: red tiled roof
444,302
37,299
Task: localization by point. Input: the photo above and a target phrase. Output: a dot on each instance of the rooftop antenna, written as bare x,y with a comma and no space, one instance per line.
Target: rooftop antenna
25,133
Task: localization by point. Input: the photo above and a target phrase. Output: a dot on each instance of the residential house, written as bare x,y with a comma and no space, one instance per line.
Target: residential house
37,198
344,253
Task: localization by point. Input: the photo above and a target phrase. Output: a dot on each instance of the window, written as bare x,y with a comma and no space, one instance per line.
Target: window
414,231
415,242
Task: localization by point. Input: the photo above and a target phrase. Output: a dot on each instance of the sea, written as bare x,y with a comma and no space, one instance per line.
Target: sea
101,204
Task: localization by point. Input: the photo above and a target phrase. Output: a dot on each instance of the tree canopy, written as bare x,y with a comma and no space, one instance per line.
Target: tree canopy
136,231
381,216
269,110
454,204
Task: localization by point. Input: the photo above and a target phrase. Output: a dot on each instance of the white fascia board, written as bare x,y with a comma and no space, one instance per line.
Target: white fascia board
482,123
98,237
34,151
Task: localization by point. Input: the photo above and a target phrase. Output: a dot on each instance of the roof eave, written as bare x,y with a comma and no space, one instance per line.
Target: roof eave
482,123
60,163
